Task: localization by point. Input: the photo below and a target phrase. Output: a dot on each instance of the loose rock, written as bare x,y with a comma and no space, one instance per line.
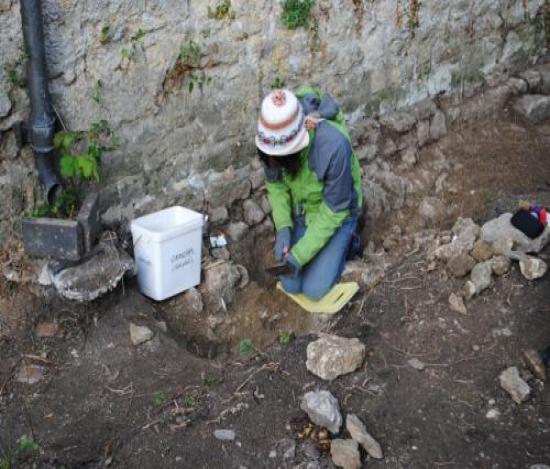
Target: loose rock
438,126
331,356
482,251
532,268
30,374
461,265
416,364
140,334
345,454
492,414
360,434
469,290
457,304
500,265
534,361
225,435
512,383
323,409
481,276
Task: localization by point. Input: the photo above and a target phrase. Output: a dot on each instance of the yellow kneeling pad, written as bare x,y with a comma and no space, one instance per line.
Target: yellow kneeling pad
331,303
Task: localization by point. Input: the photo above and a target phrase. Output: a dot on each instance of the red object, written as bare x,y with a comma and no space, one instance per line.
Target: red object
543,216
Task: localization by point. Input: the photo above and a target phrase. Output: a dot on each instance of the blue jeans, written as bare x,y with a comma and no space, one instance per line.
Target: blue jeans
317,278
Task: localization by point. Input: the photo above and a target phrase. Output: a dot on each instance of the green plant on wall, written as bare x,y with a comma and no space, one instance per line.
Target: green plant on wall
105,35
222,11
96,92
136,41
188,67
296,13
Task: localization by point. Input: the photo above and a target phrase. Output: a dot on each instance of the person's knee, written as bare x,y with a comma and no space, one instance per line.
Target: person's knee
315,291
291,285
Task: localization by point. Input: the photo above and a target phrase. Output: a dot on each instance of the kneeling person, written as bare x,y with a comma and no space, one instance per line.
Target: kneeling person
314,187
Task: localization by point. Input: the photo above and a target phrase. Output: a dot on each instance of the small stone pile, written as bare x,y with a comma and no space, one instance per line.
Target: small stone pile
481,252
328,358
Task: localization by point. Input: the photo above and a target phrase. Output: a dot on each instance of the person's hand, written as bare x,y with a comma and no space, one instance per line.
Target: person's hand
292,262
282,243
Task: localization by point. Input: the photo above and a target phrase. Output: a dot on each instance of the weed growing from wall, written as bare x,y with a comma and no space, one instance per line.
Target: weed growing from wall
136,42
222,11
296,13
105,35
188,67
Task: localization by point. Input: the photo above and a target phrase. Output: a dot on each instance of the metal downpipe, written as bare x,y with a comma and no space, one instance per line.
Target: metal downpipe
40,127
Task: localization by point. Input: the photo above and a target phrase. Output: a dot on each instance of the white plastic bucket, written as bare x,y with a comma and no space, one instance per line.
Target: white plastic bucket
167,251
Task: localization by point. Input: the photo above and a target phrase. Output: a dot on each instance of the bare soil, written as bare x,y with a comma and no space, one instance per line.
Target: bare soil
106,403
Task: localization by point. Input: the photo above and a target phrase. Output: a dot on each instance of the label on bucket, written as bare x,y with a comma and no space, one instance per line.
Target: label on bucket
182,259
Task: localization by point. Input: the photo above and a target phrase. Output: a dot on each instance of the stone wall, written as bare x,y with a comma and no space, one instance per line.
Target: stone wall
118,60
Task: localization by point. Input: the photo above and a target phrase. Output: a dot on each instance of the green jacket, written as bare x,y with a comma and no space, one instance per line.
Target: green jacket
327,188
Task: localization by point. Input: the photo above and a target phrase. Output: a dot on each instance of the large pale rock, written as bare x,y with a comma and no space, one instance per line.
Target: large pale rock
359,433
345,454
502,228
534,107
140,334
512,383
323,409
460,265
331,356
481,276
532,268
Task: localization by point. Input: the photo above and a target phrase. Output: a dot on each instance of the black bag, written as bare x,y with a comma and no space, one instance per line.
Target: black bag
527,223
